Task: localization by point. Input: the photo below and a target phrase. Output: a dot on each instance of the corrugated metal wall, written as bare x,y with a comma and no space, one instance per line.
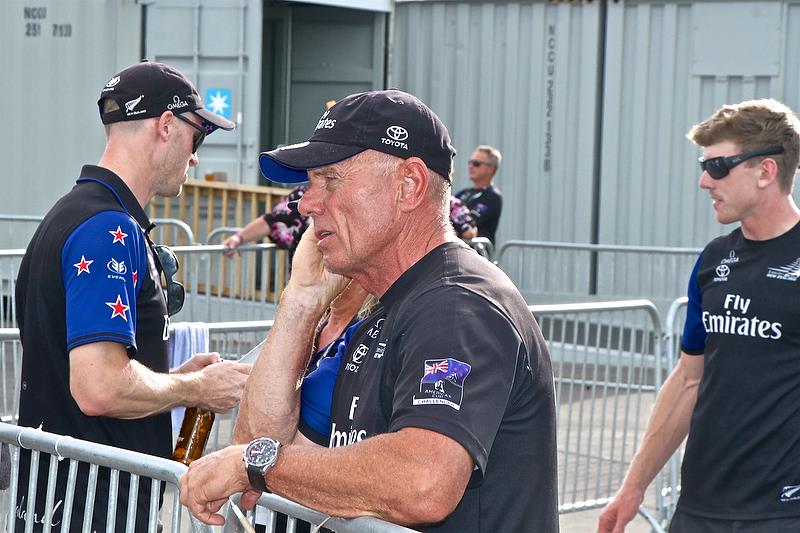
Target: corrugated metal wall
669,65
520,76
217,44
523,76
55,56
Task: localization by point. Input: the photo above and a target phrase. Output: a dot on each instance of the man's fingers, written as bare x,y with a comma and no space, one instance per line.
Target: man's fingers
249,499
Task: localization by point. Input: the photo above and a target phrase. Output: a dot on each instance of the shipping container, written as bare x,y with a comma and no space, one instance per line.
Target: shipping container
589,101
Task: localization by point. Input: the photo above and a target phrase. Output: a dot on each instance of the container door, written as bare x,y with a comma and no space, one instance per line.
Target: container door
218,46
313,55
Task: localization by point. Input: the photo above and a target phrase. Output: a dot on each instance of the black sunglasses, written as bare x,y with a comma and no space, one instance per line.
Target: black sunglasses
201,136
476,163
719,167
168,263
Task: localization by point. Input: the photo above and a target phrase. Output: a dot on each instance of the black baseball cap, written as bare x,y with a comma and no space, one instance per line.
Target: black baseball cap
147,89
391,121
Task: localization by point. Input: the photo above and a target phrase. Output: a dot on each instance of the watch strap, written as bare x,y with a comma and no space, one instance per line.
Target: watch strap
256,477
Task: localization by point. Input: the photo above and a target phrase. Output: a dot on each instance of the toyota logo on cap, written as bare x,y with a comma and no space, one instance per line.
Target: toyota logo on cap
398,133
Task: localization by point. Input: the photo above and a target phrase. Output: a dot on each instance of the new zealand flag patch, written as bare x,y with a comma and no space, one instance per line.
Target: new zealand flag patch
442,383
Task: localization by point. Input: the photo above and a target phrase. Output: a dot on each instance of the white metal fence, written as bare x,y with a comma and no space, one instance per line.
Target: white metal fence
148,474
609,359
218,288
10,369
18,230
608,363
558,272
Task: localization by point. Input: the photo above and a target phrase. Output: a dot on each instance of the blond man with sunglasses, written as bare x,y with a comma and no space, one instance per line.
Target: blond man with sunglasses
735,388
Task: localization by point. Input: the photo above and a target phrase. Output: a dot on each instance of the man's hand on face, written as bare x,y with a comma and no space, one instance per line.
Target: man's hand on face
308,271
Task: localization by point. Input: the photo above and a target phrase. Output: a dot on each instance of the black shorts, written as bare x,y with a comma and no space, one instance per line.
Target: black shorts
688,523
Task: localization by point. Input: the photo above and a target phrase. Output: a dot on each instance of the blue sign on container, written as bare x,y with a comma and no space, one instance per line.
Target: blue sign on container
218,100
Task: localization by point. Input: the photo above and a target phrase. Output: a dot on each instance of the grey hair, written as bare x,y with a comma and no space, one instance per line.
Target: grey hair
439,187
494,155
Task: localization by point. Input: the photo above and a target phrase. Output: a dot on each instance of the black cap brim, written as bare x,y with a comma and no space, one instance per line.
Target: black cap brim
214,119
289,164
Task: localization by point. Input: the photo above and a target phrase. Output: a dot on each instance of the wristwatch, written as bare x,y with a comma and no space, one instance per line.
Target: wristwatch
259,456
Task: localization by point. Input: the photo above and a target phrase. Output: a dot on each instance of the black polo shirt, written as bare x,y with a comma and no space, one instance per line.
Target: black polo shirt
742,458
88,275
485,205
454,349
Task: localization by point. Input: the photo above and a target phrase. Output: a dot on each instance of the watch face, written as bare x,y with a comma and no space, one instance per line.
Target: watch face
261,452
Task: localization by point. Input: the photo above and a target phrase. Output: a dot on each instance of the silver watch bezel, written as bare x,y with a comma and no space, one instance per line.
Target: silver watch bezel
261,453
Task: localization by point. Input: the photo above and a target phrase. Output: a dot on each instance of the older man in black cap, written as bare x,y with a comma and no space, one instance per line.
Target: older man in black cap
93,317
443,411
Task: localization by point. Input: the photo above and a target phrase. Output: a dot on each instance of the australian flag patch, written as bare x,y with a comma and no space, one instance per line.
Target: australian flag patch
442,383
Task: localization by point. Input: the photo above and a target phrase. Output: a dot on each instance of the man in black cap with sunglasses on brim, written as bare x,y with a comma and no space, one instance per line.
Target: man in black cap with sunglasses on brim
442,415
735,387
92,314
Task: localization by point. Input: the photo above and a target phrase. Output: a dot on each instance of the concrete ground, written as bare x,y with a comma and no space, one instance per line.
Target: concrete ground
586,522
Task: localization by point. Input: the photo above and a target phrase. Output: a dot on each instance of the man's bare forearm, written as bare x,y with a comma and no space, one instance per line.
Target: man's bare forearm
668,424
271,400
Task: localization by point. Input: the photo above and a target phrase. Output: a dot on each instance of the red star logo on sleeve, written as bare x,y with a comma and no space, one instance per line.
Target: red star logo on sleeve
83,266
119,235
119,308
135,278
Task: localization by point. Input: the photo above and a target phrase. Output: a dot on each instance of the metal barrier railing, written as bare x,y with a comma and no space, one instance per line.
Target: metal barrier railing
230,339
10,372
20,228
54,448
220,233
559,271
482,245
608,366
218,288
172,231
9,266
609,360
676,317
17,230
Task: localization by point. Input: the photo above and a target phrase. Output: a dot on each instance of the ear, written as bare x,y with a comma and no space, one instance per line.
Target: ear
768,172
164,124
413,184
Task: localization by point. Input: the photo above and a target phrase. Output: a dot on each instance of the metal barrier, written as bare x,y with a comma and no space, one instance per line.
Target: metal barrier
20,228
55,448
172,231
17,229
219,288
220,233
10,372
561,272
230,339
482,245
608,365
9,266
609,360
676,317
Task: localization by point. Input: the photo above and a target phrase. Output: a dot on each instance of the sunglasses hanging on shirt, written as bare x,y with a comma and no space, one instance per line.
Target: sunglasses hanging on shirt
168,264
